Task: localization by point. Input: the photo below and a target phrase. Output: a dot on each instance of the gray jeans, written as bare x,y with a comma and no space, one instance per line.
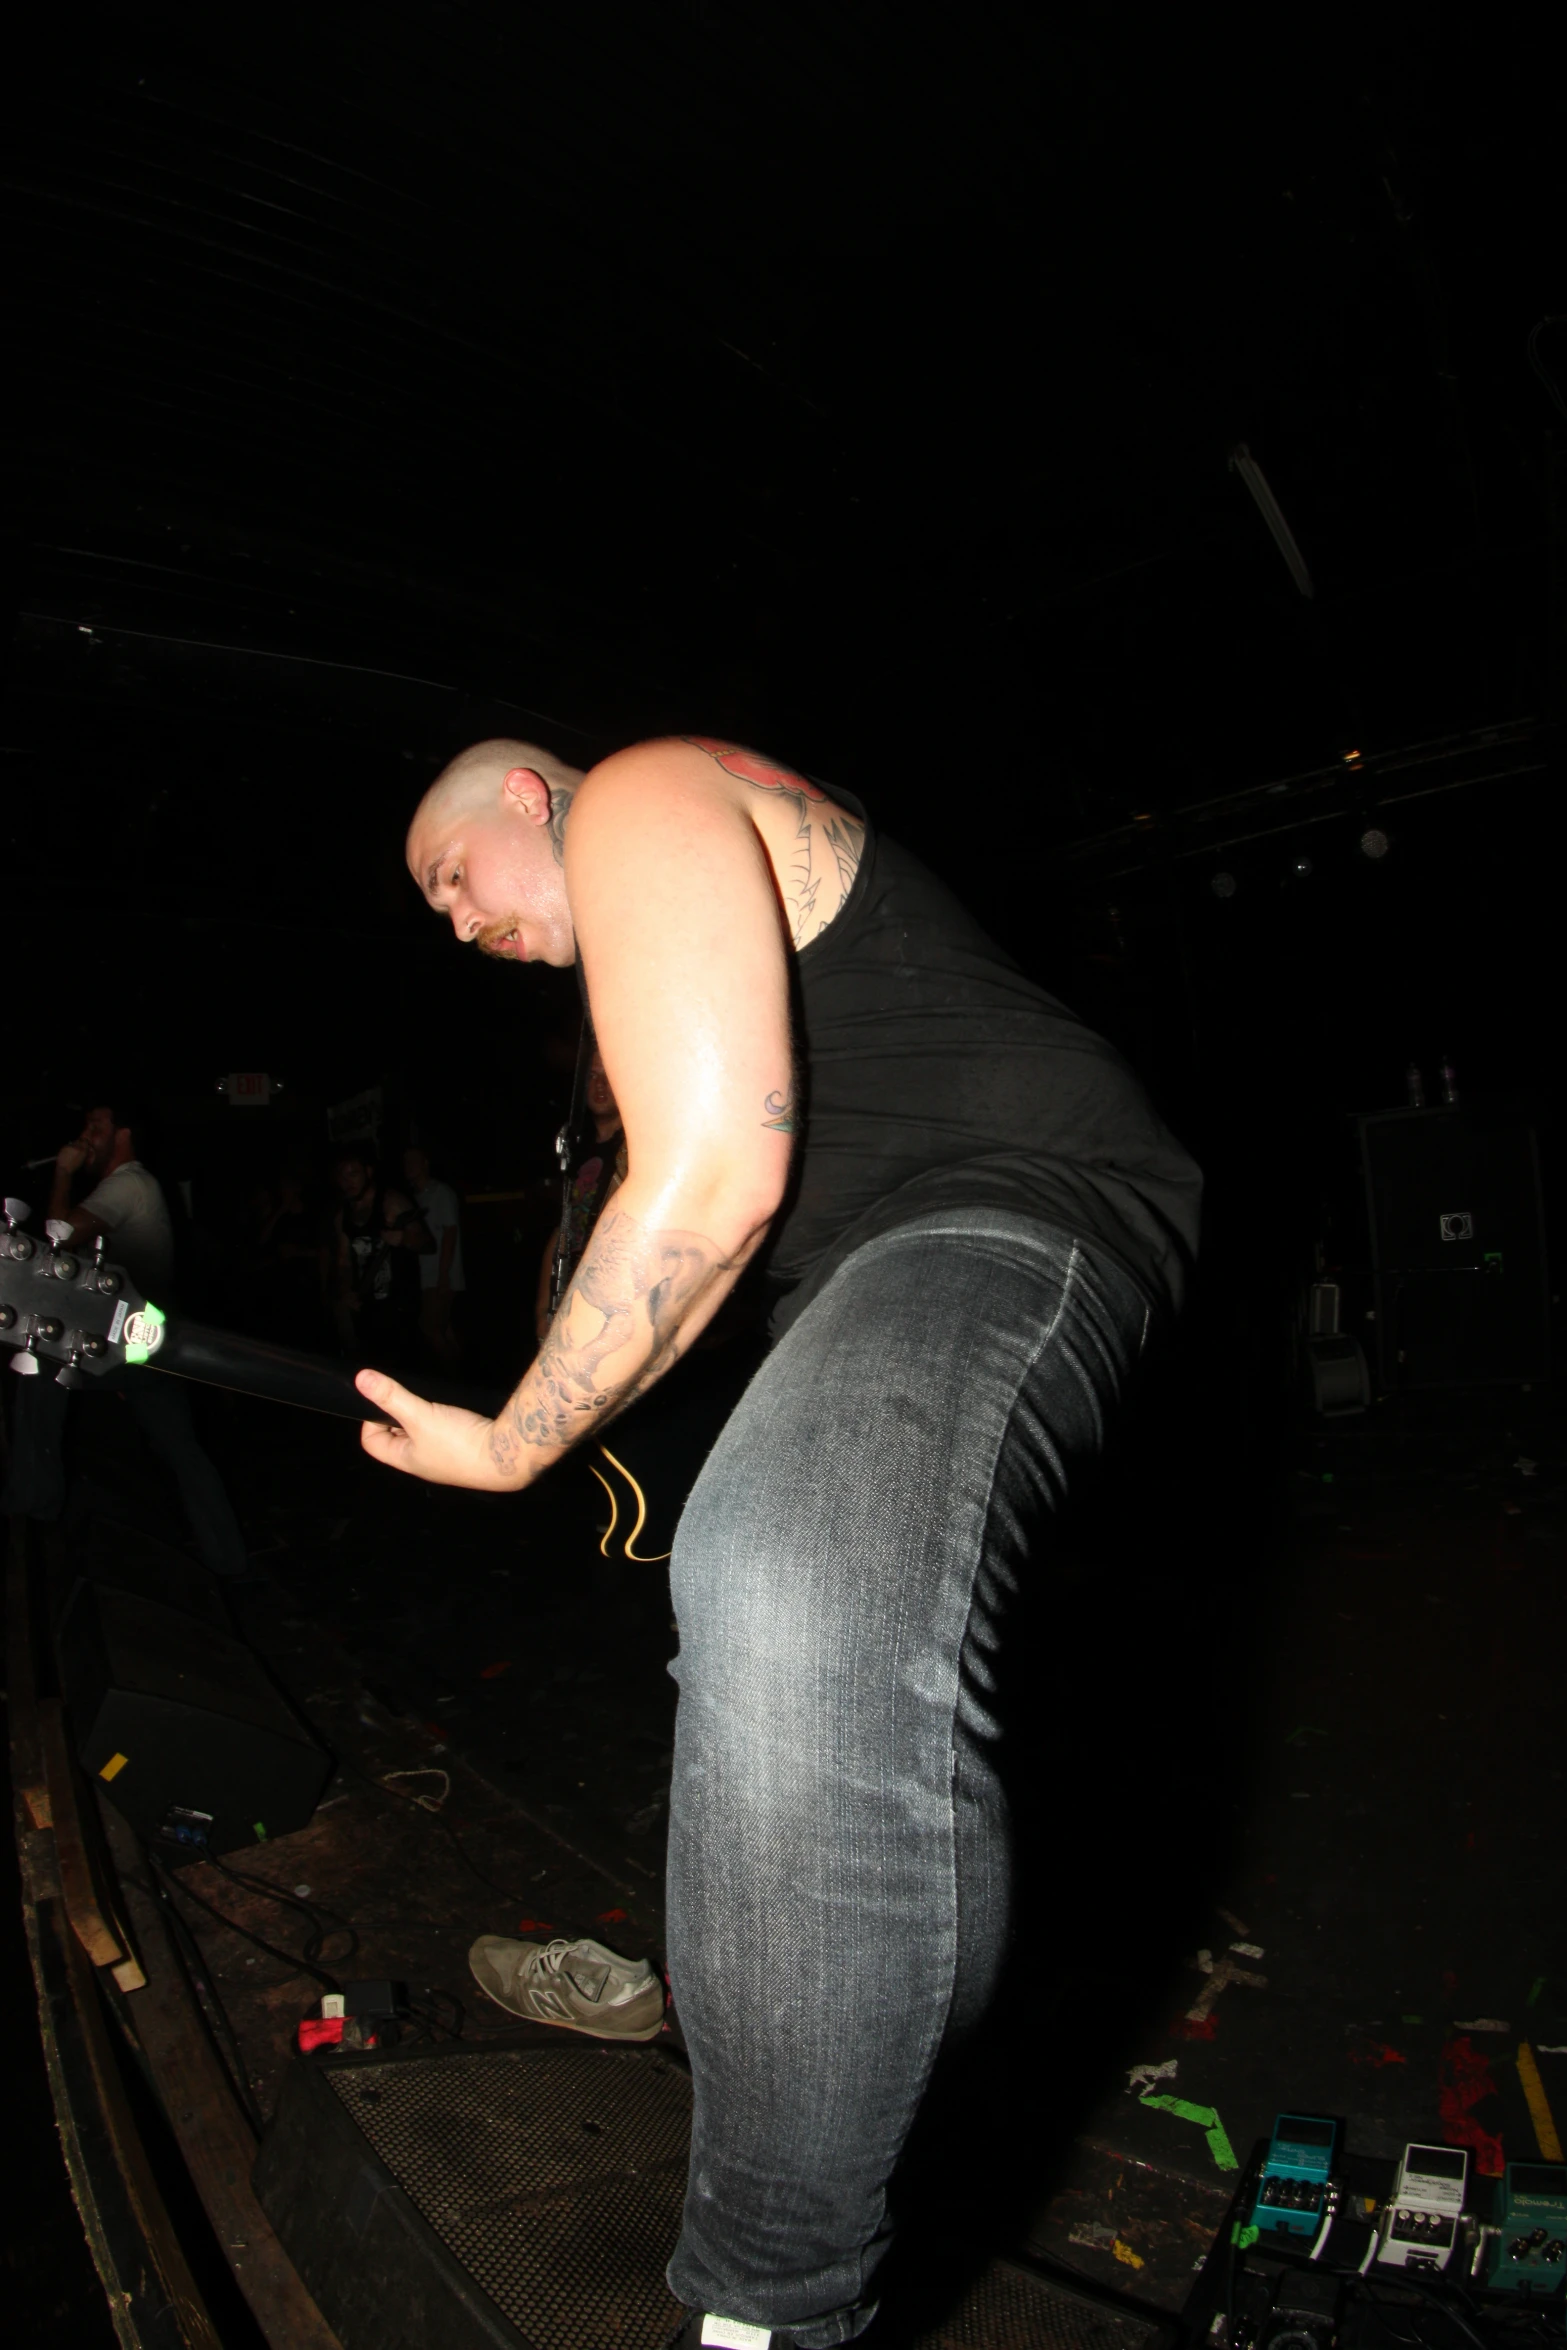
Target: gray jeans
839,1846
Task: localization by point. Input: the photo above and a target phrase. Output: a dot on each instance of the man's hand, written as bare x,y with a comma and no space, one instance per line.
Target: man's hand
435,1441
69,1157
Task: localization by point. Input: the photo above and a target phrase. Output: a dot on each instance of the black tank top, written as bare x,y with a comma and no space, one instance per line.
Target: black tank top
934,1075
383,1278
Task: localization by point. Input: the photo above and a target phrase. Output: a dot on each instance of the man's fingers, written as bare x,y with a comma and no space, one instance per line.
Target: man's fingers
377,1388
390,1446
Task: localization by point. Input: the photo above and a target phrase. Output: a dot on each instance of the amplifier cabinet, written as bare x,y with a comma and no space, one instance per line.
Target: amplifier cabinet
181,1726
1457,1248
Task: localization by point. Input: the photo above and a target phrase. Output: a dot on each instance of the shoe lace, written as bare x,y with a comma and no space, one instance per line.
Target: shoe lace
552,1957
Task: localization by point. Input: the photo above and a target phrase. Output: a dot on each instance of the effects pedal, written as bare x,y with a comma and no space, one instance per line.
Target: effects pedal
1525,2251
1293,2195
1418,2228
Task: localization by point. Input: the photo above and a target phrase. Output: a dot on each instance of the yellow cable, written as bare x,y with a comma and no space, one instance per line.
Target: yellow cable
657,1557
1539,2106
614,1508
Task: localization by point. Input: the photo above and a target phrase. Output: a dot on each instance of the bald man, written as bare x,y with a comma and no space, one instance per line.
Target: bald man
972,1220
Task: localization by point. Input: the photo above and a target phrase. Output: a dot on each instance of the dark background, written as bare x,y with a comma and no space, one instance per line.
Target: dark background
862,382
859,383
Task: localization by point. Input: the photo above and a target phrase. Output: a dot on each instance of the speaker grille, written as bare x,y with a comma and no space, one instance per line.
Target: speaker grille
555,2180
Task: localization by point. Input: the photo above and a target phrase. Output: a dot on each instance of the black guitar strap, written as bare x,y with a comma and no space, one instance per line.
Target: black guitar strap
566,1151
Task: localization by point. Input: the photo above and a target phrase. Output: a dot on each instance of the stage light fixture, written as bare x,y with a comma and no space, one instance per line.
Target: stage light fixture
1223,885
1245,464
1374,842
1302,868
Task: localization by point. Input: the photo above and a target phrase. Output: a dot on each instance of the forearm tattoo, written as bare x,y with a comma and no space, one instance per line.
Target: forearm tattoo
827,844
628,1295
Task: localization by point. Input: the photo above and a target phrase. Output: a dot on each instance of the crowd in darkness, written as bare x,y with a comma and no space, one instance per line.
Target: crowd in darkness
347,1250
357,1256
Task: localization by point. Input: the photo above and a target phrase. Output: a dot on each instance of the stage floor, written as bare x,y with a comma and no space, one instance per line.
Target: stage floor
1289,1782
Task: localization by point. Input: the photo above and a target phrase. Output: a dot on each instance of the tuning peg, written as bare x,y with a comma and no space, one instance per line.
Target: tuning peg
59,1230
71,1374
17,1212
25,1363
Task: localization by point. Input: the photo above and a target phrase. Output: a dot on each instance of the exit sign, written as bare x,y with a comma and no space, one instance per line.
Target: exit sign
247,1087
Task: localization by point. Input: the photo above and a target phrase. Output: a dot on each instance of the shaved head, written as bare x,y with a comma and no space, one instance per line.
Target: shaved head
487,847
470,784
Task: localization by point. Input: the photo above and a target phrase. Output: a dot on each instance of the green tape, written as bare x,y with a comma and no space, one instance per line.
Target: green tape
139,1350
261,1831
1206,2120
1244,2238
1539,1986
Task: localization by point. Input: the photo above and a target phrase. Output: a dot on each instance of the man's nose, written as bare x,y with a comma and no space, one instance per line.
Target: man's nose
466,922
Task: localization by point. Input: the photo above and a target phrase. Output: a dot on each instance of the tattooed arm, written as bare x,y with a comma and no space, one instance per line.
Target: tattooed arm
635,1303
677,920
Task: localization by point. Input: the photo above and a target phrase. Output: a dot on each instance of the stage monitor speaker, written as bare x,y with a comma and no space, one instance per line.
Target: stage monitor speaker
1458,1248
483,2199
181,1726
529,2199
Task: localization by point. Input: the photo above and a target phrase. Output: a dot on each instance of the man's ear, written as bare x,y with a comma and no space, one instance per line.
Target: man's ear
525,789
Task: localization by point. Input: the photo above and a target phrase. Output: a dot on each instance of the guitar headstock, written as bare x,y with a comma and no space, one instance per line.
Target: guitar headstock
65,1305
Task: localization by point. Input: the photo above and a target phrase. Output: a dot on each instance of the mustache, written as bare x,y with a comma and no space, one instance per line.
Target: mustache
492,938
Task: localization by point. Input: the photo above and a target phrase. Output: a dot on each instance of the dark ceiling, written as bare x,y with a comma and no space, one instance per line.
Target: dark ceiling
858,379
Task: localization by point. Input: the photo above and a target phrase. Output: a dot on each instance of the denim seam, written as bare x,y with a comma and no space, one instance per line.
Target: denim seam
952,1759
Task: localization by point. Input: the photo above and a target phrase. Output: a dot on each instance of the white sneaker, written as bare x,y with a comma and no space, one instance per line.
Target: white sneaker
707,2331
579,1985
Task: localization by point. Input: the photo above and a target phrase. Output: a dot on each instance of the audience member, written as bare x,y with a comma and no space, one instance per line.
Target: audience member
440,1268
379,1236
291,1266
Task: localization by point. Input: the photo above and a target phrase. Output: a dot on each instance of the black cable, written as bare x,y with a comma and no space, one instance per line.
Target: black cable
414,1803
1441,2295
211,2009
287,1958
1538,364
324,1923
1406,2341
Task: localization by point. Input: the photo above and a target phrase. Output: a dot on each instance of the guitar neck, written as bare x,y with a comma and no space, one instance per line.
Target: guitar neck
254,1366
279,1374
81,1317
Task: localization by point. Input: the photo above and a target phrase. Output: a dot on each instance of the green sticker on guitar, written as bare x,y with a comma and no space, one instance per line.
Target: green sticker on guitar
144,1333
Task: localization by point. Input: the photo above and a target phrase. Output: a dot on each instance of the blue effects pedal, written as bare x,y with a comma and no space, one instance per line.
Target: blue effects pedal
1527,2252
1293,2192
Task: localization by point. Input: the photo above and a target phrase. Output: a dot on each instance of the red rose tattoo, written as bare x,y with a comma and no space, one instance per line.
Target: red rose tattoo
751,767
